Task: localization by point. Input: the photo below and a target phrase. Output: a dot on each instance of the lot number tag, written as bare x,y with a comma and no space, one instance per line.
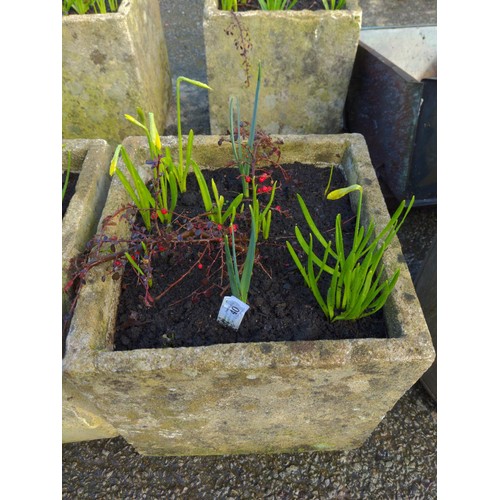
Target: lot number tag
232,311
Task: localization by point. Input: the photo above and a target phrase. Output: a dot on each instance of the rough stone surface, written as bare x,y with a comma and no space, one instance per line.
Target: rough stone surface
307,59
90,158
112,64
251,398
398,461
80,419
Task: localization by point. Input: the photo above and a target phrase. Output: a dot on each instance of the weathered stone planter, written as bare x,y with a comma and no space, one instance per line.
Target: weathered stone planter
112,64
258,397
307,59
90,158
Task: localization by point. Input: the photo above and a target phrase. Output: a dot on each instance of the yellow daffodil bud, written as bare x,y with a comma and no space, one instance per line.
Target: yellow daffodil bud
339,193
114,160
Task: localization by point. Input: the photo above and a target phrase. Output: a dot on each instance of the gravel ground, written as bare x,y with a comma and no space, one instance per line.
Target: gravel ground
398,461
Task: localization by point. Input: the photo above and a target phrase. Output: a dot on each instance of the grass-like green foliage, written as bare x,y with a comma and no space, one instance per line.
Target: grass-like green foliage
241,285
66,179
329,180
262,219
169,177
243,156
165,201
182,169
355,285
151,131
83,6
277,4
333,4
100,6
215,207
229,5
138,268
179,170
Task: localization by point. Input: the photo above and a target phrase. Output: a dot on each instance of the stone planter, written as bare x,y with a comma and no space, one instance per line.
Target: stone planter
90,158
112,64
392,102
270,397
307,59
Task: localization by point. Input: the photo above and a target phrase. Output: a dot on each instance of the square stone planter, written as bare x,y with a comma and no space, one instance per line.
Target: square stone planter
307,59
90,159
269,397
112,64
392,102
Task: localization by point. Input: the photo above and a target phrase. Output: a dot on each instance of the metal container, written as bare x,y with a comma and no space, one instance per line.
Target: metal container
392,102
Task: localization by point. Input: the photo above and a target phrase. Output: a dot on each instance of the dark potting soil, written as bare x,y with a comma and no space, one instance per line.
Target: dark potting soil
282,308
70,189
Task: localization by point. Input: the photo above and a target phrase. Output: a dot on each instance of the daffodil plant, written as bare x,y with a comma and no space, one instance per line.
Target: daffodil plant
277,4
333,4
355,284
150,208
263,218
83,6
179,170
229,5
243,156
215,207
240,285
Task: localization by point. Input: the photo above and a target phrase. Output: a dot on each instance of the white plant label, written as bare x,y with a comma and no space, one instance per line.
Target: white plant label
232,311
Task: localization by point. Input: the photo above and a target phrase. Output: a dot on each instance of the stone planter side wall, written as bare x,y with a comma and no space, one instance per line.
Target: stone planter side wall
307,59
259,397
80,419
90,158
112,64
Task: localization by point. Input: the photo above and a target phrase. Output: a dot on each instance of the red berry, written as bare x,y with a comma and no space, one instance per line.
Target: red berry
263,177
164,211
248,179
200,266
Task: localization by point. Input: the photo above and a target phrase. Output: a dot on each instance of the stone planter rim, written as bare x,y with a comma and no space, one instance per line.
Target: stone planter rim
411,343
211,6
122,11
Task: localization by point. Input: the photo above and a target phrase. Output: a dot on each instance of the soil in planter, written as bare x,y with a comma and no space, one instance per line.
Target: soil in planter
282,308
70,189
